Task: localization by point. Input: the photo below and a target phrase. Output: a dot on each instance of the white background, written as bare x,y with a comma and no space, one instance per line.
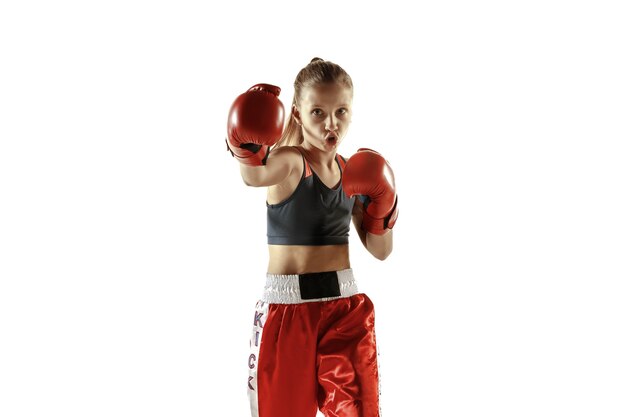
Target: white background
132,253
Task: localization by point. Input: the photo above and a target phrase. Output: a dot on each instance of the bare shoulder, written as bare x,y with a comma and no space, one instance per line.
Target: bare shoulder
284,154
280,163
280,191
285,158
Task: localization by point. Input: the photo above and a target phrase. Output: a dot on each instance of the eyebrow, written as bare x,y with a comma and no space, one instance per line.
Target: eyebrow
319,105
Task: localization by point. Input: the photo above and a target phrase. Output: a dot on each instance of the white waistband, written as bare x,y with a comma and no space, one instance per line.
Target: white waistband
285,289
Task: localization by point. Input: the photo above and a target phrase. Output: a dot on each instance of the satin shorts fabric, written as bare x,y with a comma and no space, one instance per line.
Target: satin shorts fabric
314,355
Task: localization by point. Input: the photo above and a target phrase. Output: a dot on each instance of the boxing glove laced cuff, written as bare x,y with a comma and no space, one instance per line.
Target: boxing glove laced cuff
380,226
255,151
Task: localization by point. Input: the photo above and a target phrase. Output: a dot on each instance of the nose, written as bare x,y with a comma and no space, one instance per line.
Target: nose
331,123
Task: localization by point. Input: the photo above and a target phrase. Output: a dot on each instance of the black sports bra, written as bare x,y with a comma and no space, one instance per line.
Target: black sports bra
313,214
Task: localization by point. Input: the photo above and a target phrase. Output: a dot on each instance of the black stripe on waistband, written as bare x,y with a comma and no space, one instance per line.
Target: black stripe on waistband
319,285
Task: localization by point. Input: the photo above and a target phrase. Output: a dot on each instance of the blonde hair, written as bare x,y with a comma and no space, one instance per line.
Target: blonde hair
316,72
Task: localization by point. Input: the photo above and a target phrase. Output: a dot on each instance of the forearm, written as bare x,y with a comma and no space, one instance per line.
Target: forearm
248,174
380,246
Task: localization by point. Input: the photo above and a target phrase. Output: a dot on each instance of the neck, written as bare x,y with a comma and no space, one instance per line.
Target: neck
319,157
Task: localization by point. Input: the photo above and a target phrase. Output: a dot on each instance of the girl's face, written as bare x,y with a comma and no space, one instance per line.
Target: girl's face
325,112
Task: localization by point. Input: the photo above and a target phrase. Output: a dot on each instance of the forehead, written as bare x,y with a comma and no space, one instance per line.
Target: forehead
326,95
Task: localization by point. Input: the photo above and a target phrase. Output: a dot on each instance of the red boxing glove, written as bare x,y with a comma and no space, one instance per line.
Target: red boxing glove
255,122
368,173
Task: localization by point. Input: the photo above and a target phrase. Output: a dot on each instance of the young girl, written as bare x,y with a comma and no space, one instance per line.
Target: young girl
313,343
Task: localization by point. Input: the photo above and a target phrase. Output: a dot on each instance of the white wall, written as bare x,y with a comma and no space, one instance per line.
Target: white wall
132,254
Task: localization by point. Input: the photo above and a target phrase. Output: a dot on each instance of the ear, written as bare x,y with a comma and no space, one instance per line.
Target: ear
295,113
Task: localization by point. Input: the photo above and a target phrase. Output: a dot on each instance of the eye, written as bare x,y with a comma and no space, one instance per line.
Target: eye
342,110
317,112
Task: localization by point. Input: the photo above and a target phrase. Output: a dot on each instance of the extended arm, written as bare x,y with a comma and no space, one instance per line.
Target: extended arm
255,123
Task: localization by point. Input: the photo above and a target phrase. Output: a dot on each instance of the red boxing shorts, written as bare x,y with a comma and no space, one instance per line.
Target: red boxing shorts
313,346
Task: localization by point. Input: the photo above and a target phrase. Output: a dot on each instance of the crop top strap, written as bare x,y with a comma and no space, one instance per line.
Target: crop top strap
342,162
307,168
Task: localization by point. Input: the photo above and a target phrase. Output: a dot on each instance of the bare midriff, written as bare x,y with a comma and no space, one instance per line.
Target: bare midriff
296,259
